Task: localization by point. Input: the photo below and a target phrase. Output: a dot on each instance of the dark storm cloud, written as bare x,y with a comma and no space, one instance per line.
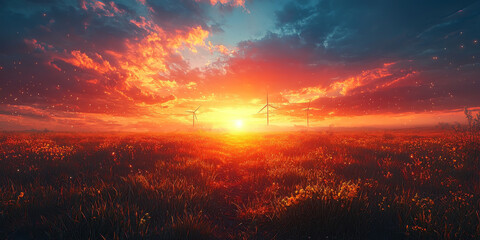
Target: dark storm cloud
431,49
359,30
66,26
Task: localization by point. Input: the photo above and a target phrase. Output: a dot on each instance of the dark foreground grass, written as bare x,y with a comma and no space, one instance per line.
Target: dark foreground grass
358,185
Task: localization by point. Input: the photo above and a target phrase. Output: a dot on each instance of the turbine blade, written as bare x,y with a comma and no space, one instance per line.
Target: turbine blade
190,111
197,108
272,106
262,108
195,115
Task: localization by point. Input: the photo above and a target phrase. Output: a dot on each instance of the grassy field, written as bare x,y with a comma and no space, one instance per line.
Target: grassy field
303,185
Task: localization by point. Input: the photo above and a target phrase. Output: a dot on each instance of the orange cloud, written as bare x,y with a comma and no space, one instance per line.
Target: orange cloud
82,60
115,8
195,37
145,60
35,44
220,48
143,24
367,81
99,6
235,3
231,2
362,79
144,65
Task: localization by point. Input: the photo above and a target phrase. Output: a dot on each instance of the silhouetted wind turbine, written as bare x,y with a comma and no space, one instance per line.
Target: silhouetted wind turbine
194,115
267,106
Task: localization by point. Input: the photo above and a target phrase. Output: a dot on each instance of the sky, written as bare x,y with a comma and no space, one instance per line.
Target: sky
140,65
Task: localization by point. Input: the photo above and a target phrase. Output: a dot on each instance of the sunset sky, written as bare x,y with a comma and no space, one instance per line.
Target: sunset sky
139,65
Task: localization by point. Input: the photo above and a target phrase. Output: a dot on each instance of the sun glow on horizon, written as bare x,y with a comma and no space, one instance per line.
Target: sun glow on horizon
239,123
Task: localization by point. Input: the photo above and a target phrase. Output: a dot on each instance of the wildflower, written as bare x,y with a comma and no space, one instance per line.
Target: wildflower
144,219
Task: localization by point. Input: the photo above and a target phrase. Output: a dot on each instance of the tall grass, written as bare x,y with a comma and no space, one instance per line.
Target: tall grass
375,185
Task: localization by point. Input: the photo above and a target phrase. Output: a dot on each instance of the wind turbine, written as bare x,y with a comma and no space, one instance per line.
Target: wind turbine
267,106
194,115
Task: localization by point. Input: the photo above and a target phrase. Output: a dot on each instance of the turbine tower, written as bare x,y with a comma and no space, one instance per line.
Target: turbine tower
268,111
194,115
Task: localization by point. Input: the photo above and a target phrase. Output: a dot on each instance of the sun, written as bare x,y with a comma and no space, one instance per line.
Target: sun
239,123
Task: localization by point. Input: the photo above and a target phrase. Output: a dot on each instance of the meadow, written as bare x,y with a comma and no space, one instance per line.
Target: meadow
404,184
